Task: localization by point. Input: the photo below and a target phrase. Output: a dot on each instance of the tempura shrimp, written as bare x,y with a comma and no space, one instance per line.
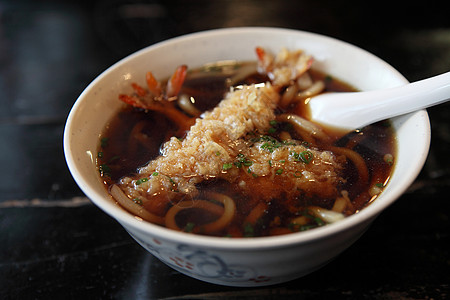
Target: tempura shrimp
159,98
285,67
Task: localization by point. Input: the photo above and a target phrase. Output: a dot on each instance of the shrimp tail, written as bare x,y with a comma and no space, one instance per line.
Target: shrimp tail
140,91
153,85
133,101
265,60
176,81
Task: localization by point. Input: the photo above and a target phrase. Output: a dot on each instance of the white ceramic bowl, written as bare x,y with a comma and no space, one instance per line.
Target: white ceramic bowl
247,261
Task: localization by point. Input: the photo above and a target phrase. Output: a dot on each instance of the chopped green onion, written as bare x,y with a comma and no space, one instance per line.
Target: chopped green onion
172,181
306,156
189,227
279,171
174,184
248,230
141,180
155,174
307,227
227,166
319,221
297,174
241,160
389,159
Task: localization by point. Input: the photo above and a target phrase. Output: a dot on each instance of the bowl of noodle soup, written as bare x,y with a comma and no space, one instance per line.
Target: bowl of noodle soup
234,257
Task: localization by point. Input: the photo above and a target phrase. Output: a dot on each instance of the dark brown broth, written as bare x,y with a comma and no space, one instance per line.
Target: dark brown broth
123,155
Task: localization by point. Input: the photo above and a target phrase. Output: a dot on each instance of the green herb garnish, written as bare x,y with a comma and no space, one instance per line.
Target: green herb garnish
227,166
272,130
249,230
306,156
141,180
316,222
189,227
297,174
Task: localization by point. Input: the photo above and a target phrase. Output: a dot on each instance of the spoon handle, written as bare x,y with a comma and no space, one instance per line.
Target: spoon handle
355,110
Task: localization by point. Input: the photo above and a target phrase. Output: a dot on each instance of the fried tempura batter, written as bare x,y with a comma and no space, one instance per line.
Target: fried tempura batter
231,143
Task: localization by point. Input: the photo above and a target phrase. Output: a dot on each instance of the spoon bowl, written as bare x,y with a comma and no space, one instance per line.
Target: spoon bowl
350,111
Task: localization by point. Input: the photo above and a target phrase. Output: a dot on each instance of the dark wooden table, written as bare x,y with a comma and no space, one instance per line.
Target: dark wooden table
55,244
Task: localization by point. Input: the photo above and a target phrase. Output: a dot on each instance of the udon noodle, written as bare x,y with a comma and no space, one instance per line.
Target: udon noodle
227,150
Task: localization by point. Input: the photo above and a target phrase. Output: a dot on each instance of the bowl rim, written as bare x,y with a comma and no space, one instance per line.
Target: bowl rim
126,219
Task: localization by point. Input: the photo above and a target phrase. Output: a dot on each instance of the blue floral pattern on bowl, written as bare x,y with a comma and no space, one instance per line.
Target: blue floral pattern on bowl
200,263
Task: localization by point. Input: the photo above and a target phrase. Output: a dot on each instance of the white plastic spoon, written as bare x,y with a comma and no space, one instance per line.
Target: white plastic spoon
350,111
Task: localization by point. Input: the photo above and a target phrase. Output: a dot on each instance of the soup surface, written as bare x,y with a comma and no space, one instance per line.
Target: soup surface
229,151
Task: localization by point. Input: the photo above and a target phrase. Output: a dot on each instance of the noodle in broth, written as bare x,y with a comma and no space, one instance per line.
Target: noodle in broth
268,183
